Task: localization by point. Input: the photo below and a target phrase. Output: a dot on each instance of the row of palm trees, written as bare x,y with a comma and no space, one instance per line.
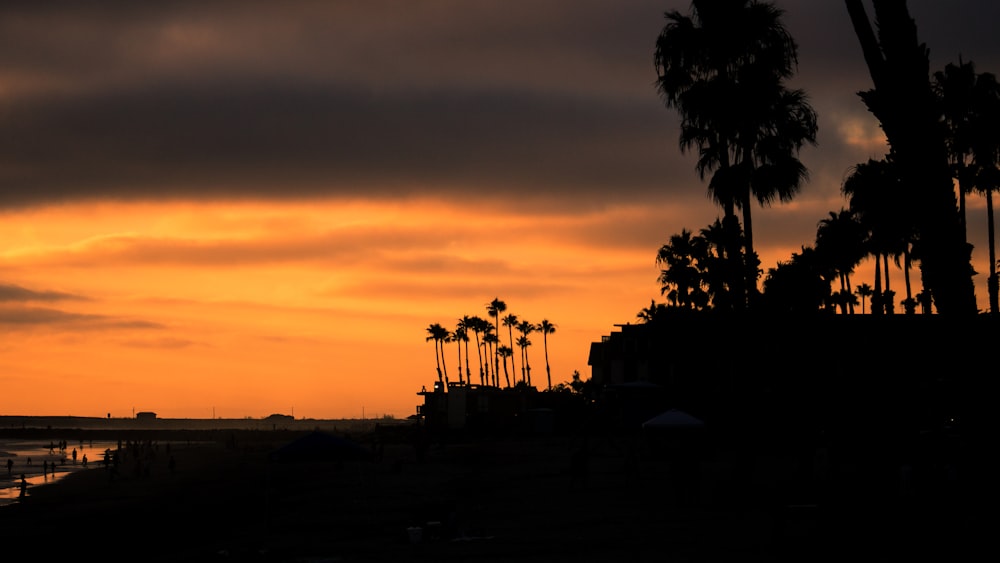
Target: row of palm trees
490,347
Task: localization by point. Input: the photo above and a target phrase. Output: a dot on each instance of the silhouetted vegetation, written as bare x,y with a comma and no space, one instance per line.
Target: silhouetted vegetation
488,345
723,69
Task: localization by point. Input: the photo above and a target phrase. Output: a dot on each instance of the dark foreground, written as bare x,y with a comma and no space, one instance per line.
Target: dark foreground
511,498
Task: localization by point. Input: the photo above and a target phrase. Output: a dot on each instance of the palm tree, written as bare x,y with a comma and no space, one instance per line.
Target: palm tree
840,241
505,352
459,336
904,103
438,334
864,291
876,199
723,68
477,325
681,280
653,313
523,343
546,328
986,158
510,321
495,308
954,87
800,286
490,340
525,328
467,324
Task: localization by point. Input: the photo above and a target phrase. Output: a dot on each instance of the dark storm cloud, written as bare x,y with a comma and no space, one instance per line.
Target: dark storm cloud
383,98
259,140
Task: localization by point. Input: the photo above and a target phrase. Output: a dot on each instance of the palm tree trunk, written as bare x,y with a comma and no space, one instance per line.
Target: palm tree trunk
910,304
749,276
479,352
877,292
992,282
459,346
887,297
468,370
548,372
437,360
444,365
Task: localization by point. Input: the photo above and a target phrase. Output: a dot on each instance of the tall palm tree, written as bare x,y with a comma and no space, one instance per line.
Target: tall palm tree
495,308
490,340
904,103
459,336
510,321
505,352
477,325
723,68
523,342
438,334
864,291
466,323
546,328
954,87
986,157
525,328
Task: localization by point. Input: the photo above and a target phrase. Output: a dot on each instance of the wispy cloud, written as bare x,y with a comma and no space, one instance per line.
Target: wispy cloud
16,293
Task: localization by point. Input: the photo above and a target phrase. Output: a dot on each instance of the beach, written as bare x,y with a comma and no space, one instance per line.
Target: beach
498,498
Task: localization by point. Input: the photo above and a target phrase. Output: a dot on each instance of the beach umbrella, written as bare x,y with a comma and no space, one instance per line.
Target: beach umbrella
321,446
671,419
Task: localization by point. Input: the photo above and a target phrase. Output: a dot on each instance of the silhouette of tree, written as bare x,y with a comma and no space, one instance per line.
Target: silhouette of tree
495,308
525,328
467,324
505,352
954,87
459,336
840,242
490,340
653,313
986,157
546,328
723,69
875,197
523,342
438,334
799,286
510,321
906,107
970,105
681,280
925,301
477,325
864,291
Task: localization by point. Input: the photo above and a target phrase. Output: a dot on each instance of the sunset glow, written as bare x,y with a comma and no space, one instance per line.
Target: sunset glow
234,213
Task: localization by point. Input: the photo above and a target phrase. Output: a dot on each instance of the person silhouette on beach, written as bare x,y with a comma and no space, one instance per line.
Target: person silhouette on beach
85,460
24,486
10,466
74,456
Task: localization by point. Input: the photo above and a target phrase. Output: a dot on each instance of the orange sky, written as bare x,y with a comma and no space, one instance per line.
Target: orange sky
318,309
210,213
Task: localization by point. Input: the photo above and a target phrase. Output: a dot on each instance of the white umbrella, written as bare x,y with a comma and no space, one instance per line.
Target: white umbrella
673,418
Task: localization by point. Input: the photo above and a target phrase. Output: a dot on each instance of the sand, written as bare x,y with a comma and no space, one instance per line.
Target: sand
511,498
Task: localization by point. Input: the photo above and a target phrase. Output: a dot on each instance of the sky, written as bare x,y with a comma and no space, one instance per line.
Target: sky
236,209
